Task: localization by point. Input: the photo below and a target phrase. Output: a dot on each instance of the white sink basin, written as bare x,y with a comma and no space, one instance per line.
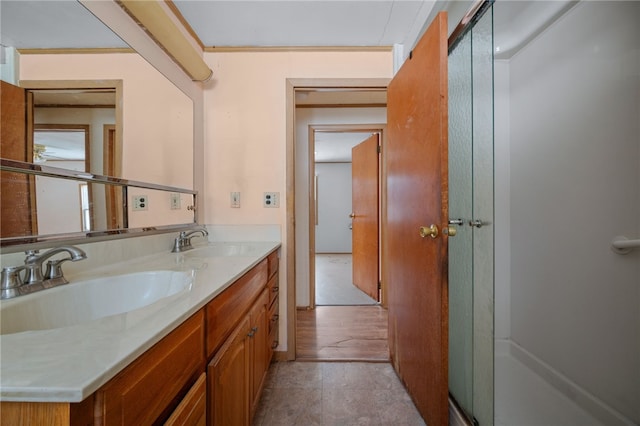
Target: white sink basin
223,250
84,301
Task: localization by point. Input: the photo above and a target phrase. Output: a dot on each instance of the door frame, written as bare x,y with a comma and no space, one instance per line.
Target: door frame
291,86
333,128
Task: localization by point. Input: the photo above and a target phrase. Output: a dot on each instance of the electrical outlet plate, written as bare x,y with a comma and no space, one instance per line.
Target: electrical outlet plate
140,202
271,199
175,201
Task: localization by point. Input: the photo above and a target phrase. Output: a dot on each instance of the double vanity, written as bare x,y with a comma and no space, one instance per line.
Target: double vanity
172,338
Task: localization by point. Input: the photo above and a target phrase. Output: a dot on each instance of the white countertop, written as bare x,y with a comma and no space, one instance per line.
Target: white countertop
68,364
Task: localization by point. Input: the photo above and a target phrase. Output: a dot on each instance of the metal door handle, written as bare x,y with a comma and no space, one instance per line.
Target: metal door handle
431,231
456,221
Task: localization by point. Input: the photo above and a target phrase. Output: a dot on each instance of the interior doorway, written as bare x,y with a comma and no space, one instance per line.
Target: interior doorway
343,273
319,102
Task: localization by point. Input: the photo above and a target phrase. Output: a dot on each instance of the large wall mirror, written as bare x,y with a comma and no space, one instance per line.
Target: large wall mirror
105,111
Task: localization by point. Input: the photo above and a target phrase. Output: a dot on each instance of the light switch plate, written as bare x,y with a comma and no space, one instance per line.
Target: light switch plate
175,201
235,200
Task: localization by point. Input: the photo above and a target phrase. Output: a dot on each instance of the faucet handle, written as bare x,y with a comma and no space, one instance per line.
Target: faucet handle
10,281
31,254
54,271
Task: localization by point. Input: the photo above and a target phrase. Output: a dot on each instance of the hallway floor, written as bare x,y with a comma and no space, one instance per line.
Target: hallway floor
334,283
342,333
334,393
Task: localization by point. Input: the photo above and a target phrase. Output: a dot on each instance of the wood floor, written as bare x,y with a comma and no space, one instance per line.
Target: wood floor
342,333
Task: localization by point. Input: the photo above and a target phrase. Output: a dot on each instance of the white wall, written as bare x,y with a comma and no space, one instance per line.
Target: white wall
333,234
575,184
58,201
502,167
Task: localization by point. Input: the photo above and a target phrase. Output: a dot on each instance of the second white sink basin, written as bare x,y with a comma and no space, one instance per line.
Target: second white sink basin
84,301
223,250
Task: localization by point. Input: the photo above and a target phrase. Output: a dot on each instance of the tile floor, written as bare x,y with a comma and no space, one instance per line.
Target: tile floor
334,393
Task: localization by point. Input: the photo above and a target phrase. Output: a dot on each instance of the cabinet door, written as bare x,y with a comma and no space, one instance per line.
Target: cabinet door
192,411
228,376
259,346
147,390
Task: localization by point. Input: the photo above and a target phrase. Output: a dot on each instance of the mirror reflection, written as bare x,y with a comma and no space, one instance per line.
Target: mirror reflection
102,110
75,129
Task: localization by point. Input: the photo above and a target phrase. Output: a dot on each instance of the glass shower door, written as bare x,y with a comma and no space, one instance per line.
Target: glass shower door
471,290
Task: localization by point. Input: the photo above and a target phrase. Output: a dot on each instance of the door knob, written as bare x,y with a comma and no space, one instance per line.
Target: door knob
450,231
431,231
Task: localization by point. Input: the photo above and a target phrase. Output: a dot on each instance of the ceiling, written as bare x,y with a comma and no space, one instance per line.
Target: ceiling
28,24
305,22
67,24
33,24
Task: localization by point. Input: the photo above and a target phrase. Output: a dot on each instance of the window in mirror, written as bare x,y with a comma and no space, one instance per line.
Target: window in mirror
85,207
62,145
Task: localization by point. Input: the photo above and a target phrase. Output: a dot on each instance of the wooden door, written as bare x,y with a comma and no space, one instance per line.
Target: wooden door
365,219
416,266
17,199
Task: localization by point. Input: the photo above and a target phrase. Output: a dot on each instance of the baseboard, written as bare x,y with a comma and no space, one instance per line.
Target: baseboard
281,356
583,398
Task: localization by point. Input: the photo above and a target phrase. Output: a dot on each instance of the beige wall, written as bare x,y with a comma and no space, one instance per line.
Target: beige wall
245,124
245,130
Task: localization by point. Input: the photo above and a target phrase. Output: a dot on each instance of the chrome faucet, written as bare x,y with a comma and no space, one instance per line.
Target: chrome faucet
12,284
183,241
33,263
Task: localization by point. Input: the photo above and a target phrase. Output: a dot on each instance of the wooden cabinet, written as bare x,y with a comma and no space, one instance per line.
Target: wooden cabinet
192,411
229,307
228,380
237,372
259,348
150,388
273,316
209,370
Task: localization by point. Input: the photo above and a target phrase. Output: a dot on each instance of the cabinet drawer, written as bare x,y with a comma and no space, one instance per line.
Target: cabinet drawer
273,260
192,411
274,288
228,308
150,388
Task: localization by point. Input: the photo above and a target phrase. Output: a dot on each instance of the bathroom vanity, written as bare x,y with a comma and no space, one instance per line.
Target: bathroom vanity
196,357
